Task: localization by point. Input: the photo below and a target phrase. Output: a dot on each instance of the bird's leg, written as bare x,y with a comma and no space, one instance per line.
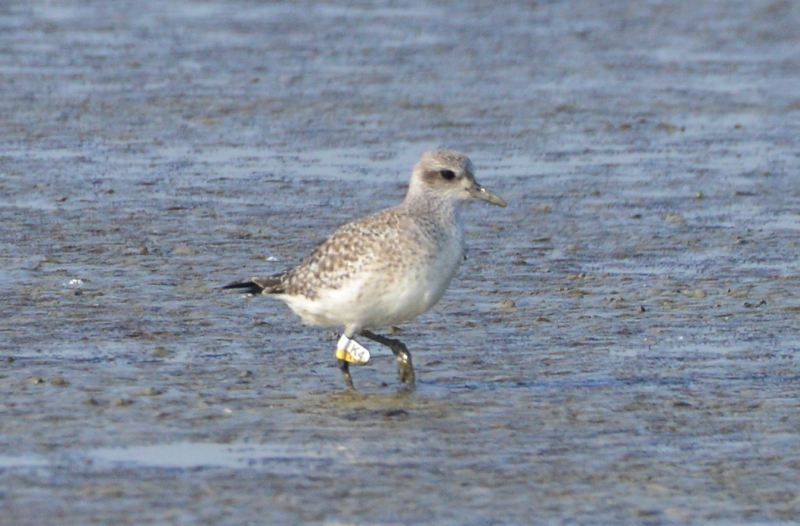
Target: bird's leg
345,368
401,354
344,365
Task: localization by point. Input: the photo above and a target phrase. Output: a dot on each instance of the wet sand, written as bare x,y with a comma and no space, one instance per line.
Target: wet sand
620,346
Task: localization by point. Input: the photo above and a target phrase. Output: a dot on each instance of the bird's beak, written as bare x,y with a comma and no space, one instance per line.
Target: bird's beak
479,192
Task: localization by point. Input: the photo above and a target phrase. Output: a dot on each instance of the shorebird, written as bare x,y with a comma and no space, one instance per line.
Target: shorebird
386,268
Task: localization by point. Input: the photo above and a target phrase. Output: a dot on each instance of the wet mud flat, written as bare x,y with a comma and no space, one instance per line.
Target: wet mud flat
619,347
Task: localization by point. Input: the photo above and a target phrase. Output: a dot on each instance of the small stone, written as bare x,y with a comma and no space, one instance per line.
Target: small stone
697,294
160,352
674,217
668,127
507,304
738,293
59,381
657,489
110,492
122,402
150,391
36,380
183,250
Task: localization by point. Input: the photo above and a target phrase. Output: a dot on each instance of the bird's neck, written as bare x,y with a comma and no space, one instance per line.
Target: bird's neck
439,208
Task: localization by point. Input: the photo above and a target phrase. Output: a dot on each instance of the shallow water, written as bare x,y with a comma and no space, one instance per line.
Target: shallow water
620,346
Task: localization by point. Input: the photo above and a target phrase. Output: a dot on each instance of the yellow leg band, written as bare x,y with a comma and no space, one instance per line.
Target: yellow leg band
351,351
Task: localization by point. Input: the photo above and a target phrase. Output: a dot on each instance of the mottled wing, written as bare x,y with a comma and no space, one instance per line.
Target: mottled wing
351,249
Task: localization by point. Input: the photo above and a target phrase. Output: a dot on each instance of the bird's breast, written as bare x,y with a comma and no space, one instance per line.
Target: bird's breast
426,285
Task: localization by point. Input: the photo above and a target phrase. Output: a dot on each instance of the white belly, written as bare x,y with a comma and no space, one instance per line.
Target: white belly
410,297
379,299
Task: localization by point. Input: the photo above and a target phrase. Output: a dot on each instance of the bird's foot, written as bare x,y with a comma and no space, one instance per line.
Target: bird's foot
405,367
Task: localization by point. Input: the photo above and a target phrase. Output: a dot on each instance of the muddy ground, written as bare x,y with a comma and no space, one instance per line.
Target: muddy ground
620,347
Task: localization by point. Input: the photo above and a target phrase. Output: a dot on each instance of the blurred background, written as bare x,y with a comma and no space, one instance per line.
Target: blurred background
620,346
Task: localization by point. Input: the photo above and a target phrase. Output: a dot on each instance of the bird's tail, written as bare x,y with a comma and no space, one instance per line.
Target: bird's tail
268,285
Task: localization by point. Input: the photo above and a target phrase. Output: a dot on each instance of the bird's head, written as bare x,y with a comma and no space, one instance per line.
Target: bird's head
449,174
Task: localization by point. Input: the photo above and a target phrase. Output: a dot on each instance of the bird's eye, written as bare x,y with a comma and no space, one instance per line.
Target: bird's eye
448,174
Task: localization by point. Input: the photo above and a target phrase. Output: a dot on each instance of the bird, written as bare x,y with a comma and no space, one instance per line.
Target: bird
386,268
